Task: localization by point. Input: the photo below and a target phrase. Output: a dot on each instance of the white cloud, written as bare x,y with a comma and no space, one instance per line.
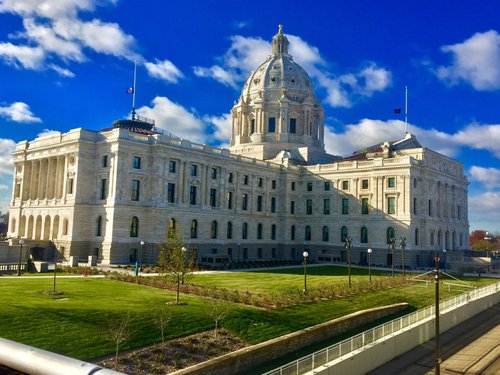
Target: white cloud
164,70
176,119
222,125
51,9
3,187
246,53
7,147
485,205
489,177
479,136
475,61
48,133
22,56
18,112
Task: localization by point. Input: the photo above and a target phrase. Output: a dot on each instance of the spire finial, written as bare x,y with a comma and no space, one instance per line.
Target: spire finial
280,43
280,29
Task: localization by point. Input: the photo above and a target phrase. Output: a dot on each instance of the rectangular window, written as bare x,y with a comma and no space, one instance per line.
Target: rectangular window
273,232
414,206
273,204
252,126
104,190
171,193
70,185
229,199
458,212
259,203
230,177
292,186
364,206
292,207
244,202
272,125
309,207
259,182
273,184
345,206
214,174
391,182
326,206
293,125
213,197
194,170
192,195
430,207
364,184
414,183
105,161
244,231
292,232
391,205
245,180
327,185
309,186
136,185
136,164
345,185
259,253
172,166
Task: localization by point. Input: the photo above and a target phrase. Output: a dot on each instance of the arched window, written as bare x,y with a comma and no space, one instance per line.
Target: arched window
364,235
259,231
194,228
134,227
171,227
273,231
292,232
244,231
416,236
390,234
307,234
454,241
447,240
98,229
343,234
229,230
439,239
213,229
326,234
65,225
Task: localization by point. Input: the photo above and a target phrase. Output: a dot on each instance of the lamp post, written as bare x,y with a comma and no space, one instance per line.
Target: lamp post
140,255
369,251
392,245
402,243
348,247
444,260
487,237
305,254
438,349
21,243
184,251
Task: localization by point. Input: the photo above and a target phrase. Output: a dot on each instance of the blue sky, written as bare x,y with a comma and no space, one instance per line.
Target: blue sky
67,63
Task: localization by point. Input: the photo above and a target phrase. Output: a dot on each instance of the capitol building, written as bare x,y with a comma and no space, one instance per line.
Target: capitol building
273,194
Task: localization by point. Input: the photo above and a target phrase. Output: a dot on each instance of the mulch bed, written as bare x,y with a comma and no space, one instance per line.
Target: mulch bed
175,354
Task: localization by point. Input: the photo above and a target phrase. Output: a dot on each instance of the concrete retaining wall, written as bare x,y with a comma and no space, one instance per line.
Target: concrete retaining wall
372,357
246,358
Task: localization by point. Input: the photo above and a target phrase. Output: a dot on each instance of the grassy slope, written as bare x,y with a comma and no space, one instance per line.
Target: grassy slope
75,326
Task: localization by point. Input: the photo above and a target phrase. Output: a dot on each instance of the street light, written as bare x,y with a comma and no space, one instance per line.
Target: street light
21,243
140,255
444,260
369,251
348,247
184,250
438,349
402,243
305,254
392,245
487,238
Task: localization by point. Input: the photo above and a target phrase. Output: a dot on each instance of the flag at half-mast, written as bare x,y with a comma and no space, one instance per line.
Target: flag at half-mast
130,90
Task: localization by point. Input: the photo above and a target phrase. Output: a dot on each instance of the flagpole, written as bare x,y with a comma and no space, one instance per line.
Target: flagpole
133,93
406,109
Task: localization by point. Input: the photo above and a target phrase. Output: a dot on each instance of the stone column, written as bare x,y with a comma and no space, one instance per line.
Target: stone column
42,179
51,177
26,184
34,179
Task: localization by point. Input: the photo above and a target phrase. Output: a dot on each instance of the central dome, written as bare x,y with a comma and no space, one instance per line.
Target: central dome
278,110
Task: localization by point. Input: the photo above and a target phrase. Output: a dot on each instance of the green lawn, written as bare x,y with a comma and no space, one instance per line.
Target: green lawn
74,325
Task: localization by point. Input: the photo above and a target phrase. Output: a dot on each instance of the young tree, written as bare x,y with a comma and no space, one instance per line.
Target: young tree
118,331
176,262
217,310
161,317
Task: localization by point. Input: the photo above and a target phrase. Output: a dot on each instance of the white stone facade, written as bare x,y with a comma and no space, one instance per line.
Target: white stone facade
267,197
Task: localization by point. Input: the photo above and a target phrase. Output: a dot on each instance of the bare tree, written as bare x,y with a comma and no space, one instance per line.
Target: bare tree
118,331
161,317
217,310
176,262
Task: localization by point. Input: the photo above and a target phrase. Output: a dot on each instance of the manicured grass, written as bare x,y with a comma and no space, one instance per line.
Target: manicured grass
75,324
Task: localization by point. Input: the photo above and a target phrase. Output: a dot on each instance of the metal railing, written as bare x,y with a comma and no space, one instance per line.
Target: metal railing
11,267
358,342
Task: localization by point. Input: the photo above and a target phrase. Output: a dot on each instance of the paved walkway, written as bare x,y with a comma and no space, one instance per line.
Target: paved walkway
473,347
